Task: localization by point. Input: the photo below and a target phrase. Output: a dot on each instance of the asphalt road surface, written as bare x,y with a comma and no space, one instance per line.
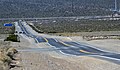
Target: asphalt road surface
70,48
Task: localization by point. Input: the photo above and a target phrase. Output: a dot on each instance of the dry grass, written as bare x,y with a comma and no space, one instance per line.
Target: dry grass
6,55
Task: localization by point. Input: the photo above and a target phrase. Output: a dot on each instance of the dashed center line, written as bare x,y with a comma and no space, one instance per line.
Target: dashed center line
45,39
65,44
83,51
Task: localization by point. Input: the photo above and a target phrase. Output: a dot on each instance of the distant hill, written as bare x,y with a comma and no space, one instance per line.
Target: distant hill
54,8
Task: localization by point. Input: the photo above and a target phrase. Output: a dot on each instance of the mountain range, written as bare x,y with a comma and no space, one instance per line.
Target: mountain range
55,8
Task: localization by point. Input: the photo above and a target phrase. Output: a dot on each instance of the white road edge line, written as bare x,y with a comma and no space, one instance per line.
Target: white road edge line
55,39
97,48
36,40
105,57
69,38
67,54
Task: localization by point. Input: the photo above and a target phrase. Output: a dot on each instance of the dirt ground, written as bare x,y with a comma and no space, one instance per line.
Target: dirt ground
51,60
42,61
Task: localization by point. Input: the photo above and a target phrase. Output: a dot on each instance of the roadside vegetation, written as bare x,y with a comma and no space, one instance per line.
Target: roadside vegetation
54,8
34,28
7,54
13,38
71,26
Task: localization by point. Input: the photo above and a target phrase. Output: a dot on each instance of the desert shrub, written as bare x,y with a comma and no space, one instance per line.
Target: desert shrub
68,25
10,52
34,28
6,56
13,38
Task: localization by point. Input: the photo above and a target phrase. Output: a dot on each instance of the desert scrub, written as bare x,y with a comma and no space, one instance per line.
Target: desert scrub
34,28
10,52
13,38
7,53
71,26
6,56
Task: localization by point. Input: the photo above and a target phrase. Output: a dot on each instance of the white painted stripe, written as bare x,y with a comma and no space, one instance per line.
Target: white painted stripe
69,38
104,57
92,55
109,58
36,40
67,54
55,39
52,46
97,48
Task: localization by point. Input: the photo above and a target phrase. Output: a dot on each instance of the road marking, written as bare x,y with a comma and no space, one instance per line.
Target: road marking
45,39
65,44
69,38
97,48
56,40
36,40
117,45
85,51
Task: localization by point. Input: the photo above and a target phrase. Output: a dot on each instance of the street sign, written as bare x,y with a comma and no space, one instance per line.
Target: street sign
8,24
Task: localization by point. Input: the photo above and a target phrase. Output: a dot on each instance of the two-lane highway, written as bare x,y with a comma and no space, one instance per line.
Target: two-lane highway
74,48
38,39
71,48
64,48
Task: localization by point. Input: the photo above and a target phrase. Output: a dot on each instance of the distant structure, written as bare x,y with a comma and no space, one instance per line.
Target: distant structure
116,11
115,5
72,6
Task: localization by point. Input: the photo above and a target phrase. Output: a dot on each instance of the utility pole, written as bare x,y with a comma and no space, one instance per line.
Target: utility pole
72,7
116,12
116,5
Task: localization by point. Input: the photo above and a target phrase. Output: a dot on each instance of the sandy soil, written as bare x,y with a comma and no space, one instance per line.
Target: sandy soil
3,36
51,60
43,61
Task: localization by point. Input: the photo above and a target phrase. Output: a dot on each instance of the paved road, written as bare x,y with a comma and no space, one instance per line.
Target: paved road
71,48
29,34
